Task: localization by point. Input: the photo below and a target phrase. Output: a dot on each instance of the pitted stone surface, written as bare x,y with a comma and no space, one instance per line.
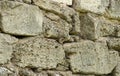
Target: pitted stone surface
117,69
93,27
88,57
38,52
20,18
63,11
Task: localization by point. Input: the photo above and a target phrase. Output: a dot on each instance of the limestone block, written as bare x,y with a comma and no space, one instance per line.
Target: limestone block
38,52
6,50
57,29
61,10
114,43
95,6
20,19
93,27
68,2
114,10
89,57
116,72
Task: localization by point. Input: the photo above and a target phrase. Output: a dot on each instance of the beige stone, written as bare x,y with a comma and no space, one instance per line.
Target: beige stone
95,6
20,19
68,2
91,58
5,72
93,27
63,11
6,50
38,52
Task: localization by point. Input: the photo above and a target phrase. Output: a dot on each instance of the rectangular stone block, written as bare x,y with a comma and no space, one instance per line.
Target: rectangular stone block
20,18
38,52
68,2
93,27
95,6
89,57
63,11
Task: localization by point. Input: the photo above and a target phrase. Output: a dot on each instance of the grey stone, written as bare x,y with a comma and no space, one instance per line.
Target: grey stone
116,72
88,57
67,2
95,6
6,44
5,72
114,43
38,52
20,19
114,10
61,10
93,27
56,28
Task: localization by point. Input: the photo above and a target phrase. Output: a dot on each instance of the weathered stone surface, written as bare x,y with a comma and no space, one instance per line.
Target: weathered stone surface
95,6
38,52
56,28
20,19
117,69
91,58
114,10
93,27
6,50
118,31
114,43
76,24
5,72
68,2
61,10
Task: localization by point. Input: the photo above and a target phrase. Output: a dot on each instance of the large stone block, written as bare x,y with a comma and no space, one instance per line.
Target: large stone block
61,10
93,27
20,19
95,6
68,2
38,52
114,10
88,57
6,50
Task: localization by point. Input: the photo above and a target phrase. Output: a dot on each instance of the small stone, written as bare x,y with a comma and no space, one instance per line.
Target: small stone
95,6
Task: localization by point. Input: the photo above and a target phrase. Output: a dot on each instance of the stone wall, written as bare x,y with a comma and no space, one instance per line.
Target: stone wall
59,37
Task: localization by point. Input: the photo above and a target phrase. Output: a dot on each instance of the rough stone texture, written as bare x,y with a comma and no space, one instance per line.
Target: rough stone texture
6,50
20,19
68,2
56,28
117,69
38,52
114,43
88,57
93,27
95,6
114,10
59,37
63,11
